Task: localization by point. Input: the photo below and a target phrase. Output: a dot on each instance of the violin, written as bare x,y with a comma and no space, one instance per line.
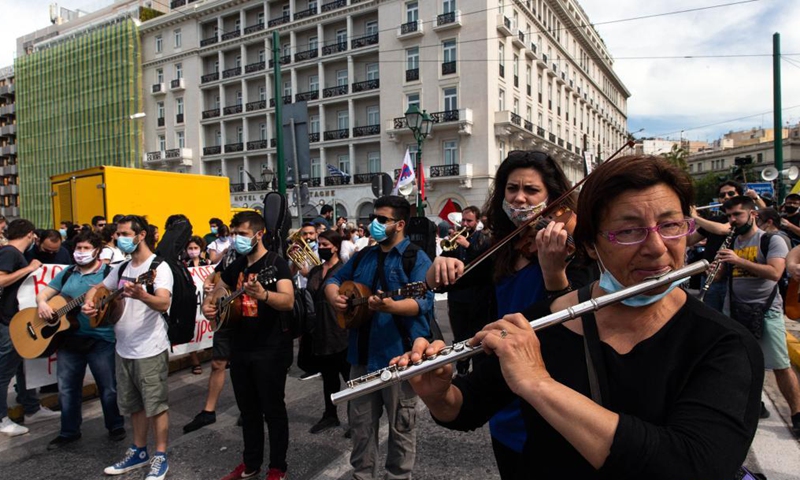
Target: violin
526,244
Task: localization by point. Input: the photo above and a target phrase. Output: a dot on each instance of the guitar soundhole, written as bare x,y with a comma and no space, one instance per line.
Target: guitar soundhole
49,330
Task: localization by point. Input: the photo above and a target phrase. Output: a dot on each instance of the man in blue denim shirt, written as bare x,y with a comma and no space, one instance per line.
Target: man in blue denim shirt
371,346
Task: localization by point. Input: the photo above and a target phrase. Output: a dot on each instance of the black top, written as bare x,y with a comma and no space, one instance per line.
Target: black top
61,257
11,260
328,336
260,326
478,243
688,399
713,241
794,220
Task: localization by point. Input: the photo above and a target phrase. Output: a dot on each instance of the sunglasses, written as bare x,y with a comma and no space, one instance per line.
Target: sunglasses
382,219
727,194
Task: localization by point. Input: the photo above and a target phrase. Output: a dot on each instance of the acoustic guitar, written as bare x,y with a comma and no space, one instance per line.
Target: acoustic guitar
792,301
228,303
34,337
110,305
358,312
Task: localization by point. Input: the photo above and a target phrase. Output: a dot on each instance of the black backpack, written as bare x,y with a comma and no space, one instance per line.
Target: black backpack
303,312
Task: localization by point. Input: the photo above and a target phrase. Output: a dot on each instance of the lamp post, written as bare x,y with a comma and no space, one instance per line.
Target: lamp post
420,125
267,175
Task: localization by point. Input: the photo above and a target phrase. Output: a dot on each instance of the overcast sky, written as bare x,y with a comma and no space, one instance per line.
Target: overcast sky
667,95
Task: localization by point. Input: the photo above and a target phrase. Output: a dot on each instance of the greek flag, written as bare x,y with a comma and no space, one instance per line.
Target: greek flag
335,172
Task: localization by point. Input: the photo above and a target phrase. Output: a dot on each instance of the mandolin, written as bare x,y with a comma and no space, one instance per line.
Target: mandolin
228,308
792,302
110,305
34,337
358,312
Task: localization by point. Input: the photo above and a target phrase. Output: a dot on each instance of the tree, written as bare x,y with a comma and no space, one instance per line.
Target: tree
677,156
706,188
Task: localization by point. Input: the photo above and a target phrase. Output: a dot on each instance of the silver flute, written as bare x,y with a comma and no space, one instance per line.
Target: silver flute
393,374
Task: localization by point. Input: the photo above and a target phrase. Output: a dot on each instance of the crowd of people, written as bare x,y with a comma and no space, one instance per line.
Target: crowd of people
660,385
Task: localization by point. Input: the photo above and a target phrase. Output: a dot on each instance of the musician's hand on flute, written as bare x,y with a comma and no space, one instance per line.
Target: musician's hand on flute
430,386
444,271
517,347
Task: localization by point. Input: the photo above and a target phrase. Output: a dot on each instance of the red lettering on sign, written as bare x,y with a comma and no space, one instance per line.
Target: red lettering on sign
39,281
50,361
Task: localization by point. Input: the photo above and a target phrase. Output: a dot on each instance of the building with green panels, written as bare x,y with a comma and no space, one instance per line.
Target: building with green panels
75,98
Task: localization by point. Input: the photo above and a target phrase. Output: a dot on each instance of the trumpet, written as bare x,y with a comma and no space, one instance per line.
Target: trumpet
391,375
300,253
448,244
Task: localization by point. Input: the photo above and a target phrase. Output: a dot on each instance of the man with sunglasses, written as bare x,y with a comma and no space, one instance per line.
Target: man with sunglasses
394,324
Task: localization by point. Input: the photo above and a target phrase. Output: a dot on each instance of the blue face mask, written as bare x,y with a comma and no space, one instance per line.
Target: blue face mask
214,230
242,244
62,232
126,245
378,231
611,285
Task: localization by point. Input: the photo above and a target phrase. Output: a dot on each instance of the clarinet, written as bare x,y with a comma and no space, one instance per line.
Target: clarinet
716,264
391,375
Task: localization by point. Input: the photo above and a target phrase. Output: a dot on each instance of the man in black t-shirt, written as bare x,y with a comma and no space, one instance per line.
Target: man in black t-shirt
791,221
261,352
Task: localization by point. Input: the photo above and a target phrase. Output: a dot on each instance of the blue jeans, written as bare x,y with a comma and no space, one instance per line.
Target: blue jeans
10,365
71,370
715,296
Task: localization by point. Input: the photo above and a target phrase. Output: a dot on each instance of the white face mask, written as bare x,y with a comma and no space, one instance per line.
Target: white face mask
84,258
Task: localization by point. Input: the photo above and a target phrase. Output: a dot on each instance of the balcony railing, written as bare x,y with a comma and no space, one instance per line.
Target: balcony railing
177,3
366,85
231,35
448,68
399,123
160,121
237,187
215,150
234,147
151,157
257,145
232,110
255,67
445,170
334,91
337,180
305,13
313,137
337,134
279,21
360,178
409,27
366,40
307,96
516,119
551,137
158,88
560,142
209,77
179,118
209,41
257,187
254,28
334,5
412,74
285,60
366,130
287,99
306,55
231,72
177,84
315,182
334,48
445,18
540,131
529,125
273,142
211,113
178,154
444,116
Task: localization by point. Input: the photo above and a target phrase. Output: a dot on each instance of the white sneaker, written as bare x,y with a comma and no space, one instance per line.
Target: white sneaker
41,415
12,429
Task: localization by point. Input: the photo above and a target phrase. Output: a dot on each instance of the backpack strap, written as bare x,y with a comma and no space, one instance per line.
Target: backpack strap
151,289
410,258
68,273
764,245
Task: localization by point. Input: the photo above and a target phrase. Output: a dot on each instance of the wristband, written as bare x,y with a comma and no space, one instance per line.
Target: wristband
553,294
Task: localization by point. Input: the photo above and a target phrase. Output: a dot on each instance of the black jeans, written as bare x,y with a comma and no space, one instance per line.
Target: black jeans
331,367
259,382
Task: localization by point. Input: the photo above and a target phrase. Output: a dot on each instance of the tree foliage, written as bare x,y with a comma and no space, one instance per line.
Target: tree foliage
677,156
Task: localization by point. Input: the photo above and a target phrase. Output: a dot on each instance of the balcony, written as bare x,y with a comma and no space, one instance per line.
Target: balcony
366,130
528,126
502,70
337,134
287,99
315,182
209,41
307,96
560,142
10,169
531,51
445,116
160,122
154,159
234,147
10,211
562,79
231,72
361,178
285,60
237,187
306,55
215,150
448,173
7,89
257,105
255,67
159,89
519,39
177,3
334,48
257,187
273,142
448,68
8,109
364,41
337,181
257,145
279,21
412,74
231,35
177,84
313,137
447,20
9,189
444,170
366,85
254,28
504,25
179,118
334,91
179,156
508,123
410,30
328,7
541,60
8,150
570,86
305,13
8,130
209,77
551,137
444,119
232,110
214,112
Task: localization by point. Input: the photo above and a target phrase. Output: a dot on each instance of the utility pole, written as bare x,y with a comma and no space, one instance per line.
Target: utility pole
278,95
777,120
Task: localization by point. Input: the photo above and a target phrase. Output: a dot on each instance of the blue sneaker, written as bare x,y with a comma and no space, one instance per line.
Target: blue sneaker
158,467
134,458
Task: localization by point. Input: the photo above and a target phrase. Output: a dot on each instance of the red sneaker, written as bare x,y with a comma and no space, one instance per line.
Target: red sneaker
240,472
275,474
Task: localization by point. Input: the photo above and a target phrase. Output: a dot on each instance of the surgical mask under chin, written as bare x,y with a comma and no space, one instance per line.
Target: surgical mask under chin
83,258
611,285
520,215
741,230
126,245
378,231
242,244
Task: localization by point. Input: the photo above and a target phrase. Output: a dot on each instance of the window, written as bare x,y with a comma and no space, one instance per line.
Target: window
312,43
237,25
449,51
262,56
448,6
178,70
178,38
159,44
313,124
412,58
450,148
372,71
412,152
412,99
315,170
216,66
371,27
179,105
216,102
528,78
160,110
412,12
343,119
529,114
285,10
516,65
374,162
450,99
313,83
238,61
262,93
502,149
287,89
160,75
239,135
262,131
501,54
238,97
218,138
373,115
312,5
501,101
341,36
341,78
181,139
260,18
344,163
162,143
516,105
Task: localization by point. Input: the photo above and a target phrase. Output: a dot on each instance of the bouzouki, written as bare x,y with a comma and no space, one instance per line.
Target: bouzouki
35,337
229,306
358,312
792,301
110,305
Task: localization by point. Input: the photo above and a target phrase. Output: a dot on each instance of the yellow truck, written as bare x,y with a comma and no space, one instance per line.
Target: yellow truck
78,196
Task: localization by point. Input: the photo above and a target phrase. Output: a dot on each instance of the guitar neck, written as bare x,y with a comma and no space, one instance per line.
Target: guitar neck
74,303
363,300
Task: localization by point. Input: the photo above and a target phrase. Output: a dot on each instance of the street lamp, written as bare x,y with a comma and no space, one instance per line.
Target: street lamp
267,175
420,125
